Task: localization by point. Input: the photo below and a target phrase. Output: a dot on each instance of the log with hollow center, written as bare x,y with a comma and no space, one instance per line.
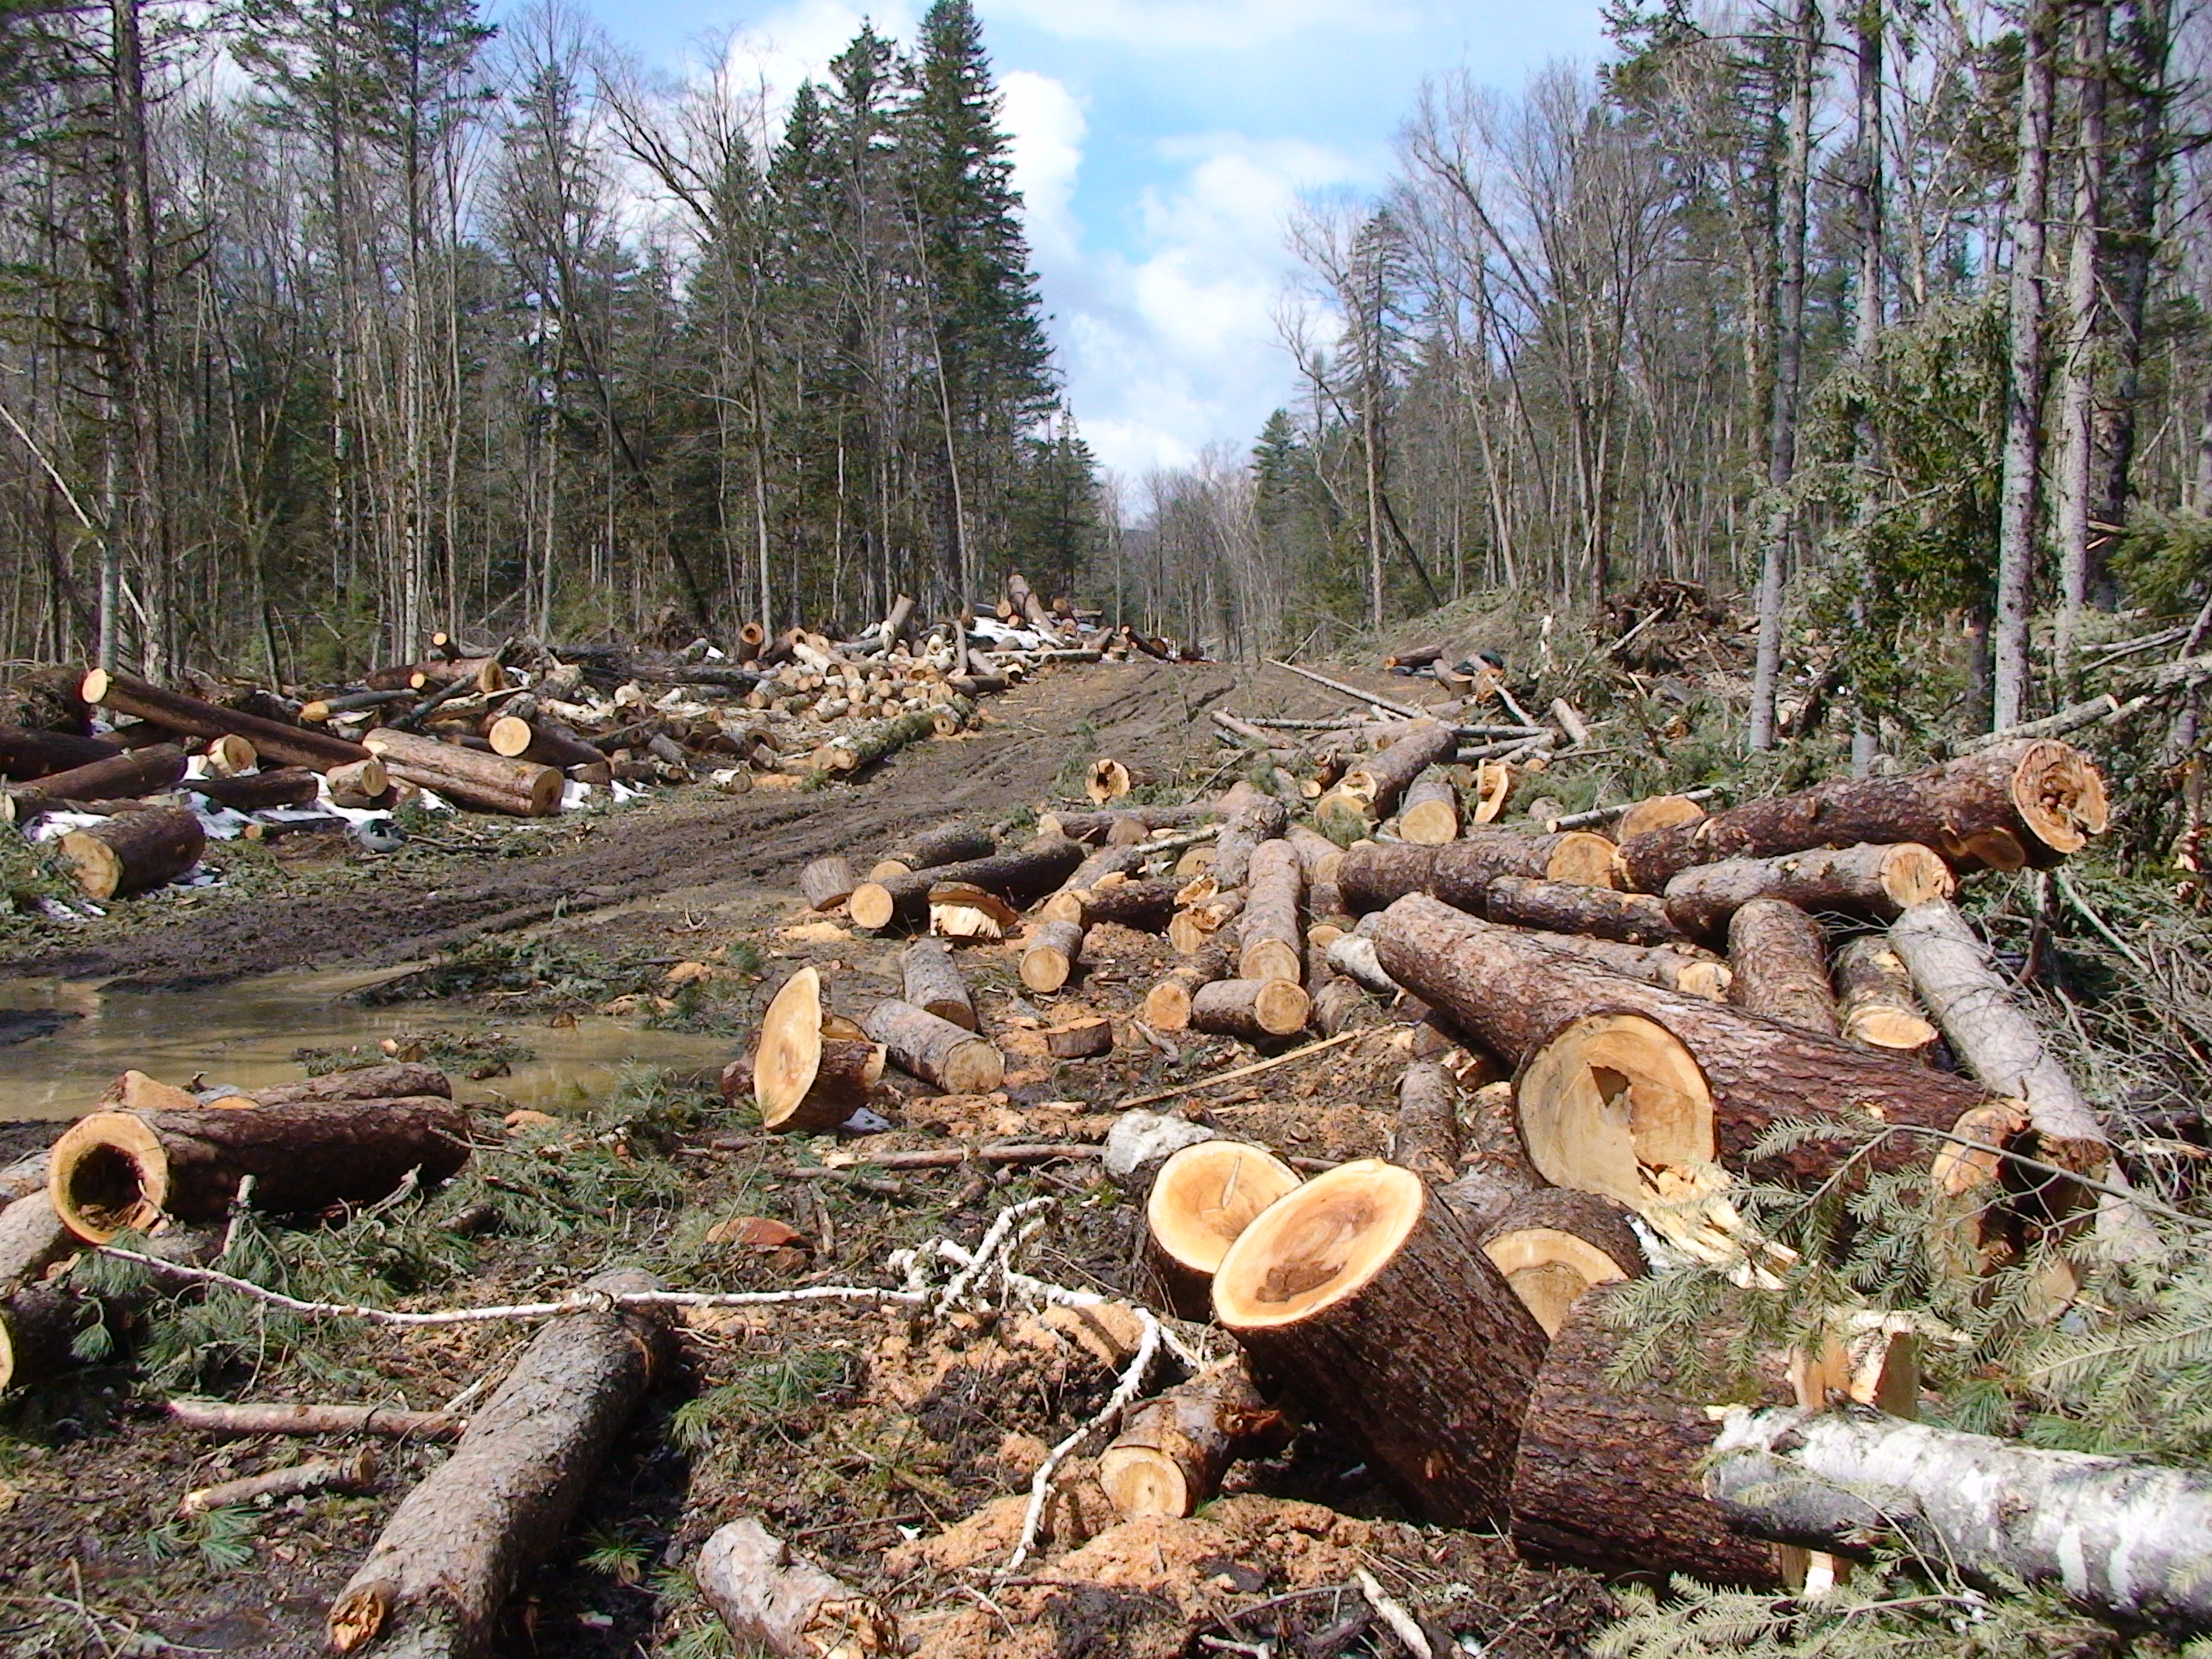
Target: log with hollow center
1366,1295
1202,1198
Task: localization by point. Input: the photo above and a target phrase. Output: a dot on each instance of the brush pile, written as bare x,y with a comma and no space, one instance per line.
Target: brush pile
132,779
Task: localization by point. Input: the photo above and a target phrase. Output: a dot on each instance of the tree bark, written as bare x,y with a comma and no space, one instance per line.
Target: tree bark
1426,1139
1067,904
113,777
1564,907
1123,826
25,754
1555,1245
133,852
1780,958
1255,1010
1871,881
1369,1298
930,980
1174,1449
468,777
302,1417
1876,1006
454,1549
828,882
2127,1540
288,745
935,1050
1146,907
1373,875
116,1169
1054,950
1683,968
1168,1003
32,1239
2077,398
945,843
773,1601
1020,875
1368,793
394,1082
255,792
1274,943
1247,827
2030,801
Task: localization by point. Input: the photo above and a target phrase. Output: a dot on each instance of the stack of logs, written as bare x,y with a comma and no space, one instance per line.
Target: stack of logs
488,734
1659,1003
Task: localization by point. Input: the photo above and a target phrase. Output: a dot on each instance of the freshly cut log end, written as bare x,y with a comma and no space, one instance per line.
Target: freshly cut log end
1082,1039
1109,781
2060,795
957,1062
803,1079
108,1174
1430,817
1051,956
1173,1449
1371,1302
775,1600
871,905
1555,1245
1609,1096
1876,1000
1658,812
1254,1009
828,882
1167,1005
1203,1198
134,852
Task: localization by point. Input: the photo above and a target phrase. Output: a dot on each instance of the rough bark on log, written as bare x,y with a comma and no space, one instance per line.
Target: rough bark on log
1780,958
2030,801
828,882
39,1325
1430,816
435,1579
936,1050
927,850
25,754
1146,907
124,777
1703,1081
1081,1039
288,745
775,1602
877,740
930,981
399,1081
1123,826
539,740
1272,940
1167,1005
1339,1004
133,852
357,784
1174,1449
2125,1539
485,781
1050,956
255,792
1374,875
1555,1245
1683,968
1426,1139
1020,875
1204,1196
1876,881
1565,907
1246,827
1874,1000
111,1170
1255,1010
302,1417
1368,792
1067,904
32,1239
342,1474
1367,1296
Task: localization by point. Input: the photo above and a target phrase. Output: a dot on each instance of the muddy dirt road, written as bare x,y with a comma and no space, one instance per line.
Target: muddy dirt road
1149,714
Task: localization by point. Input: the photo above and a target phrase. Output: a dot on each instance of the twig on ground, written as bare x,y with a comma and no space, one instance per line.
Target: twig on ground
1402,1623
1231,1076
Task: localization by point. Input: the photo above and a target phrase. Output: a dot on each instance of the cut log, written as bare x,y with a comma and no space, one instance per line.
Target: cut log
1555,1245
775,1602
1369,1298
1370,792
1067,904
1051,955
1273,942
828,882
930,981
1254,821
1109,779
2127,1540
25,754
286,745
960,909
541,740
1875,882
300,1417
1080,1039
356,1474
39,1325
111,1170
935,1050
1020,875
1202,1198
255,792
457,1546
1123,826
468,777
1565,907
2029,801
1192,924
395,1082
1426,1139
32,1239
1874,999
1174,1449
230,756
1167,1005
357,784
1146,907
1257,1009
1683,968
1493,787
124,777
1430,817
1780,959
1657,812
944,843
1339,1006
1617,1074
1374,875
1353,956
804,1079
877,740
133,852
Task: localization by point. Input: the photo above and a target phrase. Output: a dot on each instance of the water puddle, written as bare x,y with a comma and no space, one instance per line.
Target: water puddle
61,1043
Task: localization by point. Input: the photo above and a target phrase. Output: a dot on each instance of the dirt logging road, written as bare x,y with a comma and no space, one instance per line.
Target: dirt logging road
1143,711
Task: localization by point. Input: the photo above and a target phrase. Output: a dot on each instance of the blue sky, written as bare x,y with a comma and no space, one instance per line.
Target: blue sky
1161,145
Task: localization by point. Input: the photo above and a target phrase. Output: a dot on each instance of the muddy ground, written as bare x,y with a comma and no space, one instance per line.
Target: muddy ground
893,1454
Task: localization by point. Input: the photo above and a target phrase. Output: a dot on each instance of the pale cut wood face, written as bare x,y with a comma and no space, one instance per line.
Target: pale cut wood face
1611,1094
1206,1196
1317,1245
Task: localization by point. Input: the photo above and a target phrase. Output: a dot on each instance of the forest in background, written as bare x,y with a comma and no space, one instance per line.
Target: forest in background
326,323
1888,314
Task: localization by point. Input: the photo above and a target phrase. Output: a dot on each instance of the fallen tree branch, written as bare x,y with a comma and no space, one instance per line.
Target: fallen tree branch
286,1416
1404,711
1231,1076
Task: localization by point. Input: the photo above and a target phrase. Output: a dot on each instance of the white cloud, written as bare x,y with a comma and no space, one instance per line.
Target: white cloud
796,42
1045,124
